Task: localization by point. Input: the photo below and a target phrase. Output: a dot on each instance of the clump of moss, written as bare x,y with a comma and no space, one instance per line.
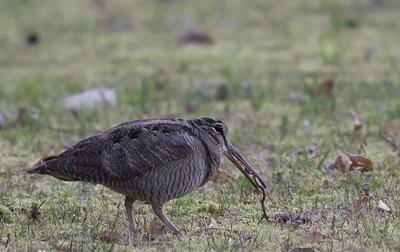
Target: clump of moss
208,207
5,214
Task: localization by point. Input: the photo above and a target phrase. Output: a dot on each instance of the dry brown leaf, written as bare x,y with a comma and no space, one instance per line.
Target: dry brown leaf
302,250
191,106
63,246
282,217
293,219
327,86
107,237
338,164
358,207
257,191
360,163
357,123
315,237
222,177
211,222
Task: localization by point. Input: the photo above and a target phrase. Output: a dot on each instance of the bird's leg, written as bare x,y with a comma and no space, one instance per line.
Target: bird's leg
160,214
132,228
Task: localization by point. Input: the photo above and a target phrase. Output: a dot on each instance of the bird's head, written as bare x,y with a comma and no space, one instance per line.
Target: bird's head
215,131
218,131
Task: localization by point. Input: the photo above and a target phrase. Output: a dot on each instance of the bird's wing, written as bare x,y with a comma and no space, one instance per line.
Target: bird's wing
126,152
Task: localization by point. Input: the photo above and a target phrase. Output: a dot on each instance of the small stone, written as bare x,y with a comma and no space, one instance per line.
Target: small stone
212,223
222,92
352,23
14,116
382,206
299,97
370,51
32,39
91,99
312,151
197,36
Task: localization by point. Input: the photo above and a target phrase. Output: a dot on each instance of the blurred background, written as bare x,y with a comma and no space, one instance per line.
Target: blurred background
176,58
289,77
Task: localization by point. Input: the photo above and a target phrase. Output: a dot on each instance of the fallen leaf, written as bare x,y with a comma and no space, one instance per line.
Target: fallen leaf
360,163
327,86
382,206
297,219
357,123
197,36
293,219
222,92
191,106
63,246
157,228
302,250
212,223
257,191
357,209
337,165
315,237
282,217
107,237
222,177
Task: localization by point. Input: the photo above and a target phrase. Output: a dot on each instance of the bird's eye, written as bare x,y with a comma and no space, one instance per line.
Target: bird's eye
219,128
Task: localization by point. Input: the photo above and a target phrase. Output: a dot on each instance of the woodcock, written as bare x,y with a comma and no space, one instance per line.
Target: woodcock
150,160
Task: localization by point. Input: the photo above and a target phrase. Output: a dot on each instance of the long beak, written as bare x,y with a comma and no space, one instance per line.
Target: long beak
238,160
245,168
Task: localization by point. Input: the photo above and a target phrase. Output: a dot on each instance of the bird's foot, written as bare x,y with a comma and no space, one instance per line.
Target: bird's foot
132,238
132,234
176,232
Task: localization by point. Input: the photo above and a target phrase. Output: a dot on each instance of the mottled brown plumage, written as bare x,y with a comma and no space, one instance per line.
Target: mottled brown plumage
149,160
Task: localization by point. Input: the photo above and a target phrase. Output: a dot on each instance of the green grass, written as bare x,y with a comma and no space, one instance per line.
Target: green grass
272,54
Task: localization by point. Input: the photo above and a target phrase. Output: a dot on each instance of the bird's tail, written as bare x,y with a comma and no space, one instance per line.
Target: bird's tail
51,166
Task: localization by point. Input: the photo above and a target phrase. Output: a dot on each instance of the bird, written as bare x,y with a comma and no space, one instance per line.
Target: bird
150,160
